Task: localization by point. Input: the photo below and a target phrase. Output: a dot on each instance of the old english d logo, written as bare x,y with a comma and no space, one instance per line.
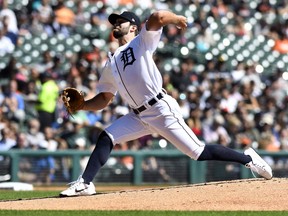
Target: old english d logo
127,57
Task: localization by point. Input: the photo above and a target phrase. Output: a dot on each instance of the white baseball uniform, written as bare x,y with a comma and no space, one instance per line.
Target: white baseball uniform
132,72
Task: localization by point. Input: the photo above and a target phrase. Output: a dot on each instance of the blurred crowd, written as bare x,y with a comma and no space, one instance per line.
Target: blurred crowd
235,107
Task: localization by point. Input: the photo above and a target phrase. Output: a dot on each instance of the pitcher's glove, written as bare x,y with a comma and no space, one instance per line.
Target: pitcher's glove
73,100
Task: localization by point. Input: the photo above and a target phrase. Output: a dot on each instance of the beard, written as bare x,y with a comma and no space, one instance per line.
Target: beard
119,33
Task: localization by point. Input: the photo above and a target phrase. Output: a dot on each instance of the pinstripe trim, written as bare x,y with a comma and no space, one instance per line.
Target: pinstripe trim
124,83
200,145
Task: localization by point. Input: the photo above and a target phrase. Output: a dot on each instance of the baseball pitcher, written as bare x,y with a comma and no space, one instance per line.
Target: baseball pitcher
132,73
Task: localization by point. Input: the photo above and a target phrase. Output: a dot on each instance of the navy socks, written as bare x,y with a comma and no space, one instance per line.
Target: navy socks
221,153
98,157
104,147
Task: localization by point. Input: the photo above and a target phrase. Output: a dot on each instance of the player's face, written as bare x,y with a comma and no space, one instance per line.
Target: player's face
121,28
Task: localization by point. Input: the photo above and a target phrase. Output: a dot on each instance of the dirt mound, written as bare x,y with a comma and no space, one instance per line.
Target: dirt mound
250,194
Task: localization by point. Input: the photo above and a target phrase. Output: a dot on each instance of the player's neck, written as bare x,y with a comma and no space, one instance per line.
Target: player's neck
125,39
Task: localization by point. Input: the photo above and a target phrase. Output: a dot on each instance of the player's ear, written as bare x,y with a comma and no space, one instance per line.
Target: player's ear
133,28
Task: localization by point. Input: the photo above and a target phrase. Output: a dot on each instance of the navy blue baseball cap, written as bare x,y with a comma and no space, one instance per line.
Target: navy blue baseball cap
129,16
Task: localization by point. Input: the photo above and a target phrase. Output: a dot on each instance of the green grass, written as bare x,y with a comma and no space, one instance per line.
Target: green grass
20,195
17,195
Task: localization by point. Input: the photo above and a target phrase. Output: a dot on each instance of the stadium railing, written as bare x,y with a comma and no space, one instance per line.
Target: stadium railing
196,171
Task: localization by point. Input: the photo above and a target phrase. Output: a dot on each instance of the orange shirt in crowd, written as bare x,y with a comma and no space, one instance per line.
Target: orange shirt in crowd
281,46
124,2
65,16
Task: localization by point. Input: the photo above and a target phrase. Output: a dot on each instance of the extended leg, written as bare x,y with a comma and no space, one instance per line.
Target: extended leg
250,159
98,157
84,185
221,153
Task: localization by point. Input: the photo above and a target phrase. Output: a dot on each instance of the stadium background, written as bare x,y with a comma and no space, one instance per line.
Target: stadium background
228,71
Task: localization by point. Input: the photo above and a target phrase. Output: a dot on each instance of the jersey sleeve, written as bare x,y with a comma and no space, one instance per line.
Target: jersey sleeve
150,38
106,81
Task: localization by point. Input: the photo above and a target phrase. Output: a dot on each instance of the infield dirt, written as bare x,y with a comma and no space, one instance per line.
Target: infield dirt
250,194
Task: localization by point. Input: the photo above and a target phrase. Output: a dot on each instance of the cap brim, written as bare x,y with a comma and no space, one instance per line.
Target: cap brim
113,17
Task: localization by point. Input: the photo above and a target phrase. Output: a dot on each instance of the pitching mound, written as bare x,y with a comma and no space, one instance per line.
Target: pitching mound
252,194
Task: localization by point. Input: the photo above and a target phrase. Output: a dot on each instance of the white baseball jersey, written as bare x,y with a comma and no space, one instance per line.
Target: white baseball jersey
132,72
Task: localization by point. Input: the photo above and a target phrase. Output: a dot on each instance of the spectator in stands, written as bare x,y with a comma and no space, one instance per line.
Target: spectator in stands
204,41
252,78
145,4
14,102
100,17
227,102
183,78
127,161
31,97
195,121
21,141
80,17
250,102
7,32
243,8
278,88
151,165
45,65
233,125
34,135
107,117
167,83
74,129
25,163
47,100
264,7
281,44
184,105
284,138
7,140
240,28
93,117
6,45
248,136
64,18
45,166
216,132
172,34
201,21
45,11
219,9
10,17
269,136
268,140
43,15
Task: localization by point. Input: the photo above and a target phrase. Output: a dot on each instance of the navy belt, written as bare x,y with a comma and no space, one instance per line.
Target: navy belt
150,102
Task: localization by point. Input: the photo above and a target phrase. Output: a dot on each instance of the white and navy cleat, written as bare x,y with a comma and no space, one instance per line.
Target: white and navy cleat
258,165
79,188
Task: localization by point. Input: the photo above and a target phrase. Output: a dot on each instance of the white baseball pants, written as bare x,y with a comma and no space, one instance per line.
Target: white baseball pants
164,118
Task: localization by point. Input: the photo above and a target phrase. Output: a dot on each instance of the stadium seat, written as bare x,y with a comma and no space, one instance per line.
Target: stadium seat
5,59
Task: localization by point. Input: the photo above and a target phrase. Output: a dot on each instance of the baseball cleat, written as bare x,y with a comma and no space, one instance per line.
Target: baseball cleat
258,165
79,188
